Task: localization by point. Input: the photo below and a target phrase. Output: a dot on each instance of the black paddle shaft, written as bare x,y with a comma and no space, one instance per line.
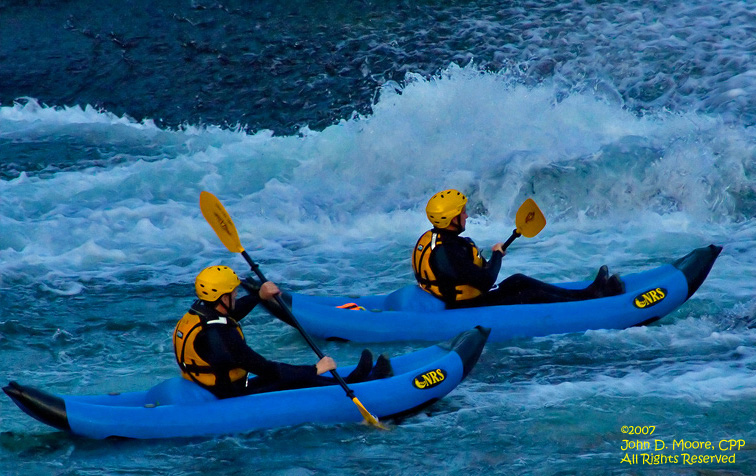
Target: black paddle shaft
515,235
290,315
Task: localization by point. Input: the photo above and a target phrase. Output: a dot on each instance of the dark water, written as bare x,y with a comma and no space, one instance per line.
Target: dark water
284,65
261,65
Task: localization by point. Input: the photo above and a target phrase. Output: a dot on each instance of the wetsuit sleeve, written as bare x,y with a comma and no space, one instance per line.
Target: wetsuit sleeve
452,263
244,306
253,287
225,348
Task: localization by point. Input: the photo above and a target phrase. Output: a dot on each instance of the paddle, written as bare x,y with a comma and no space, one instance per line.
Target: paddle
529,221
219,219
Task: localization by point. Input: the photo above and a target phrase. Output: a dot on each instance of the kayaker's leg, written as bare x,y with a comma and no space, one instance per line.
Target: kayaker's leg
615,285
521,289
382,368
361,371
604,286
360,374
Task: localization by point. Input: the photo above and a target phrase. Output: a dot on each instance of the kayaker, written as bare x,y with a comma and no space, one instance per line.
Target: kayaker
452,268
211,350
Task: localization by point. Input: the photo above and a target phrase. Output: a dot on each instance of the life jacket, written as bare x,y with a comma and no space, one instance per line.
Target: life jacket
425,276
193,367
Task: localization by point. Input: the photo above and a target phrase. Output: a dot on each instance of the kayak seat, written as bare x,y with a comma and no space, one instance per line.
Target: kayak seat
177,390
412,298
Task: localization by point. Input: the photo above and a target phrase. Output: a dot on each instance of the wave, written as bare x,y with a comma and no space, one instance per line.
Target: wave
361,185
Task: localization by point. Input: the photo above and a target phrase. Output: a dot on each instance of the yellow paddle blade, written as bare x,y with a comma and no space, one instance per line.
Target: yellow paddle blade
218,218
529,219
369,418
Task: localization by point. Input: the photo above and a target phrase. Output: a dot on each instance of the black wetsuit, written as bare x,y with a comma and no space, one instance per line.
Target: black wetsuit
224,348
452,263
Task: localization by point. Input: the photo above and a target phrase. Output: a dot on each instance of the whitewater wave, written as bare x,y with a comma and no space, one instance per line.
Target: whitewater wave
601,174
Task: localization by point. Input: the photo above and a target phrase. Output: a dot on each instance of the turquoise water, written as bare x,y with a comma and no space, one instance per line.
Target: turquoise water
324,131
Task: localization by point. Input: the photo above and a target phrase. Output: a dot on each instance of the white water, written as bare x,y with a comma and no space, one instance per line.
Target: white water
337,211
325,203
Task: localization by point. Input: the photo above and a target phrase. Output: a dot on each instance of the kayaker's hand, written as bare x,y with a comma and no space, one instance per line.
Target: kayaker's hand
326,364
251,285
500,248
269,290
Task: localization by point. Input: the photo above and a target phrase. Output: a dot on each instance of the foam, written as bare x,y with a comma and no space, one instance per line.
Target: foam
322,203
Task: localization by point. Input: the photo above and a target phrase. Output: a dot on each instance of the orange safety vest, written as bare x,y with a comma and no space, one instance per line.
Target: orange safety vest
193,367
425,276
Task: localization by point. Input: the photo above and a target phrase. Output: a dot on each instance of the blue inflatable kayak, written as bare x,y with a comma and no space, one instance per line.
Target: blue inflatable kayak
180,408
411,314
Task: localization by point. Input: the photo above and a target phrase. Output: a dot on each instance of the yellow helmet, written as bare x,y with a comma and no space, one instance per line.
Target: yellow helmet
215,281
444,206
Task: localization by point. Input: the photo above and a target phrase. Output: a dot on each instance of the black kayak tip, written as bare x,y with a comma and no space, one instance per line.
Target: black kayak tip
469,345
696,265
47,408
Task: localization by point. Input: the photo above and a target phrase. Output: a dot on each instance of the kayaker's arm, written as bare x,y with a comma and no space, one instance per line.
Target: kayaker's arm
252,286
244,306
257,293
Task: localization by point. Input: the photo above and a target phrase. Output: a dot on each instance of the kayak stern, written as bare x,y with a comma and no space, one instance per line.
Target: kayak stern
696,265
47,408
468,345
